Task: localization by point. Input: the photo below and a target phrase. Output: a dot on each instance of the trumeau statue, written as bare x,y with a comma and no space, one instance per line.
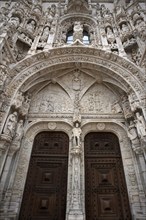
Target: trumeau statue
76,135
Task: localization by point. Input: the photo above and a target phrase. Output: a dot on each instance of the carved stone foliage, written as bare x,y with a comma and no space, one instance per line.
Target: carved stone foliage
98,99
52,99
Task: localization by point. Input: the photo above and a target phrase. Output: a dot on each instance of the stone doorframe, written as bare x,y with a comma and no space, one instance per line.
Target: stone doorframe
92,126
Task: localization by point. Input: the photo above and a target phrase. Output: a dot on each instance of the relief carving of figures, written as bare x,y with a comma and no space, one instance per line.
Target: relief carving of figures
78,31
76,135
76,183
76,163
31,26
10,126
141,126
47,106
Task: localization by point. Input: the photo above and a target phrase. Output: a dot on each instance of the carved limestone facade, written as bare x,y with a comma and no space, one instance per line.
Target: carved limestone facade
76,67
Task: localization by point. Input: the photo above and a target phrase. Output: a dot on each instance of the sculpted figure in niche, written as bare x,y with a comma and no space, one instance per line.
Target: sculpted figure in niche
25,106
141,27
31,26
14,22
126,107
19,131
10,125
78,31
110,35
50,14
125,28
76,135
45,34
141,125
18,100
132,134
63,37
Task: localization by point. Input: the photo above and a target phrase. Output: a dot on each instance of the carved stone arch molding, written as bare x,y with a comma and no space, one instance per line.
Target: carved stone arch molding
126,153
25,153
90,58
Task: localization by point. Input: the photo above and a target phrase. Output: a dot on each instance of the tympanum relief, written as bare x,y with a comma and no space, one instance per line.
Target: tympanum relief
100,99
52,99
97,98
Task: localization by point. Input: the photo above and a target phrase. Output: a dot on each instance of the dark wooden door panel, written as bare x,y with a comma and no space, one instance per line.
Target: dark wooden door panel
105,187
46,186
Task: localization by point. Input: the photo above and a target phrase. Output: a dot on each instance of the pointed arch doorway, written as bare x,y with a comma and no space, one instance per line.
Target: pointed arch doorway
46,185
106,195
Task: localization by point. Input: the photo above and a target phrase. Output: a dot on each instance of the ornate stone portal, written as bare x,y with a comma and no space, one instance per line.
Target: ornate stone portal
78,67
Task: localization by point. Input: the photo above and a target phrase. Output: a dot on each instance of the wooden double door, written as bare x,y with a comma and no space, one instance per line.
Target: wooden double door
105,188
46,185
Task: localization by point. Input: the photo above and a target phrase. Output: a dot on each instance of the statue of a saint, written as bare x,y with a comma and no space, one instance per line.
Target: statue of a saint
76,135
19,131
18,100
31,26
78,31
110,35
141,125
45,34
14,22
125,29
10,125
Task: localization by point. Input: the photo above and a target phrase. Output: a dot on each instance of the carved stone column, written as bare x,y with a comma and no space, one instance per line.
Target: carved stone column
75,209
